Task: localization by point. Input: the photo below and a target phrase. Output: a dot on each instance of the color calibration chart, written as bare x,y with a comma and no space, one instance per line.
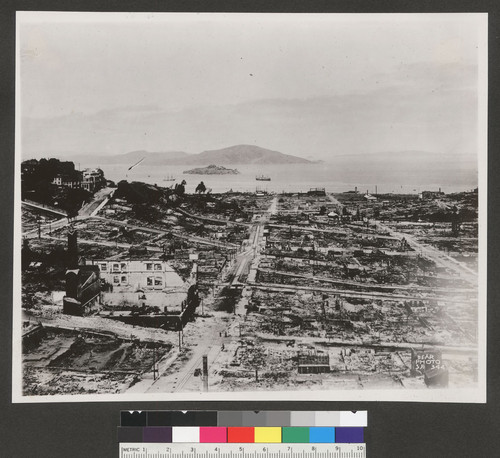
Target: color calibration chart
247,434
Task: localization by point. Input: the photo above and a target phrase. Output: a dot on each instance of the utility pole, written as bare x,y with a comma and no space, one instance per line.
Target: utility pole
155,369
39,224
205,373
180,334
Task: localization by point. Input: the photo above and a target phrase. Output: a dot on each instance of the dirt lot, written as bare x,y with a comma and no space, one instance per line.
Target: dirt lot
71,362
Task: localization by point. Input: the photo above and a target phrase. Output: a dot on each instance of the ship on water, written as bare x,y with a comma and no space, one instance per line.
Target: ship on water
169,178
263,178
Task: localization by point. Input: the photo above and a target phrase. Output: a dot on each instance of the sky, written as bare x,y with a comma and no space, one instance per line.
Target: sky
312,85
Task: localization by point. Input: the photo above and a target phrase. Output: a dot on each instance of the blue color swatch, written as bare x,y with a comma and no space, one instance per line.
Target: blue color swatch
321,435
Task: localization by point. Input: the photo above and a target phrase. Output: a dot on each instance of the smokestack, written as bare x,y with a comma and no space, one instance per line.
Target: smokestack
72,255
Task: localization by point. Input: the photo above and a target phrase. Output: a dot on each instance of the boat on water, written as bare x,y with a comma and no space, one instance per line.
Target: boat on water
263,178
169,178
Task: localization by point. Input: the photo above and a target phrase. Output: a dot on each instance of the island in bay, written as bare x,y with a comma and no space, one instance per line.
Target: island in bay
212,170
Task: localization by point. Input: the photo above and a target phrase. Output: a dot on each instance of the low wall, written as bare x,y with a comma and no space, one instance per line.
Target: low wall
159,299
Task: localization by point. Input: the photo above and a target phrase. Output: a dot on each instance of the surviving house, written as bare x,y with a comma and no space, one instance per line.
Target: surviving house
71,180
141,280
93,180
313,363
150,274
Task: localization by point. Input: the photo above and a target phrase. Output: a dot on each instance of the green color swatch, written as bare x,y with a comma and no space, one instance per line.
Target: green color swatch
295,435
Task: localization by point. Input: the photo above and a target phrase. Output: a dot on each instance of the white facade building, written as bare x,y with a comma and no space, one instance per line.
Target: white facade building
67,181
93,179
127,275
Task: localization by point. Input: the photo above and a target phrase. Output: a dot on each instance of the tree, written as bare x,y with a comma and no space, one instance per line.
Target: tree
256,359
26,253
180,189
72,213
73,199
201,188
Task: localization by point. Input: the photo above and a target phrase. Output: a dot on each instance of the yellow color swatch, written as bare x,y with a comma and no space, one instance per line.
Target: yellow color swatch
267,434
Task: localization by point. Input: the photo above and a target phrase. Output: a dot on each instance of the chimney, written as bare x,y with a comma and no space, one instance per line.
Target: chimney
72,255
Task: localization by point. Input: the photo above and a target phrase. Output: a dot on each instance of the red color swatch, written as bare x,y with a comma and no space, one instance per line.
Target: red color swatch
241,434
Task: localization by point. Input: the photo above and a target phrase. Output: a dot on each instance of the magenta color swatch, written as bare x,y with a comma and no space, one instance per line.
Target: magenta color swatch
211,434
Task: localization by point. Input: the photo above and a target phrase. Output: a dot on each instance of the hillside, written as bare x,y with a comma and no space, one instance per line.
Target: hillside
245,154
238,154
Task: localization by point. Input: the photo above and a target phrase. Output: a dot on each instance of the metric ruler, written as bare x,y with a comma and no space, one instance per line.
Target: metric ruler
225,450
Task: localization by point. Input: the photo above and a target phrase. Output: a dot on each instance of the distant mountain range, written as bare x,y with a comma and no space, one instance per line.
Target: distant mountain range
238,154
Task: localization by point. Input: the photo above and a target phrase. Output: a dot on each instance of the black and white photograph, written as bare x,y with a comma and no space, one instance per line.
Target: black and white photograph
226,206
